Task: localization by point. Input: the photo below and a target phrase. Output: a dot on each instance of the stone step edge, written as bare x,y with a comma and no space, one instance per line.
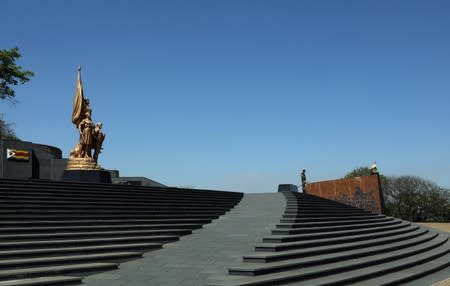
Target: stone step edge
11,263
289,231
90,234
102,222
43,281
39,252
331,223
94,228
44,271
166,238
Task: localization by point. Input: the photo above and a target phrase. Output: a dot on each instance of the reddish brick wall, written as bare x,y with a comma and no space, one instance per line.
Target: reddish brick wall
362,192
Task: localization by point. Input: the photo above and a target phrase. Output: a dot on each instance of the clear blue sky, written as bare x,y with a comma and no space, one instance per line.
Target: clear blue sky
240,95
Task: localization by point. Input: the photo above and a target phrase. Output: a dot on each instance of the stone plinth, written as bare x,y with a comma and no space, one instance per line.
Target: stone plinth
82,164
85,170
87,176
287,188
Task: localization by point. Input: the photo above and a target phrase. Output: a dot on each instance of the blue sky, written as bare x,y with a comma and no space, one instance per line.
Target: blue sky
240,95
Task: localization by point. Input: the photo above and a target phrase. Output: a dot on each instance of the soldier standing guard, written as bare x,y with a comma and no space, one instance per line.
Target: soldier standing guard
303,178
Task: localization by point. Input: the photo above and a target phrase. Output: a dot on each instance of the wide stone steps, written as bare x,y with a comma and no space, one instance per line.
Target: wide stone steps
324,211
57,270
91,234
290,231
311,251
354,241
89,241
107,217
278,243
109,203
69,259
99,222
7,208
323,244
412,272
393,263
348,272
55,230
128,198
331,223
59,251
55,233
315,207
99,192
263,268
330,210
57,211
320,204
329,219
112,200
323,214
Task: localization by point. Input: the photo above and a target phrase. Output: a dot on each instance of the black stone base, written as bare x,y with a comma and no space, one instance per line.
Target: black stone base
287,188
87,176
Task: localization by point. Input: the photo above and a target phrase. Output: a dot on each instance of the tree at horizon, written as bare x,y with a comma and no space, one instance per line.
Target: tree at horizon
11,74
411,198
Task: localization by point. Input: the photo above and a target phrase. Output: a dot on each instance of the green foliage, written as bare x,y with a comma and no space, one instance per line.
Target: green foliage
362,171
357,172
6,131
416,199
10,73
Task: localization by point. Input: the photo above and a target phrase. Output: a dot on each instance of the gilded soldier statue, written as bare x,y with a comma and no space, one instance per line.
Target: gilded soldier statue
90,137
98,140
86,133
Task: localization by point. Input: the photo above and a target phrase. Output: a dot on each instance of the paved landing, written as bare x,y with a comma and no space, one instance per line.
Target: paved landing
437,225
208,251
445,282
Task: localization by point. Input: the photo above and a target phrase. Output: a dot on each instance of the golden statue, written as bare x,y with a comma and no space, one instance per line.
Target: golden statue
91,137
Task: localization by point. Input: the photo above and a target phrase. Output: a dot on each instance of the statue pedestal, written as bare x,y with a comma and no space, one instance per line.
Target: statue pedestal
85,170
287,188
82,164
87,176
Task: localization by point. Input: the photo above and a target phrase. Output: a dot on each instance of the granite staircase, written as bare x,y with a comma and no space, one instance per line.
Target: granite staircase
55,233
323,242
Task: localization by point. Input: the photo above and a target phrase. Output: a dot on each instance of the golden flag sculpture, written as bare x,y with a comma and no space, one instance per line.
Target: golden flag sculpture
79,101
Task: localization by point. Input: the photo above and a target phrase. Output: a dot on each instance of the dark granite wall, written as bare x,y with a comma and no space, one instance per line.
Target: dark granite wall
45,162
16,169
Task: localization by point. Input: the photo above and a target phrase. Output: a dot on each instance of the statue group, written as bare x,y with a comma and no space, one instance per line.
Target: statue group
91,136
